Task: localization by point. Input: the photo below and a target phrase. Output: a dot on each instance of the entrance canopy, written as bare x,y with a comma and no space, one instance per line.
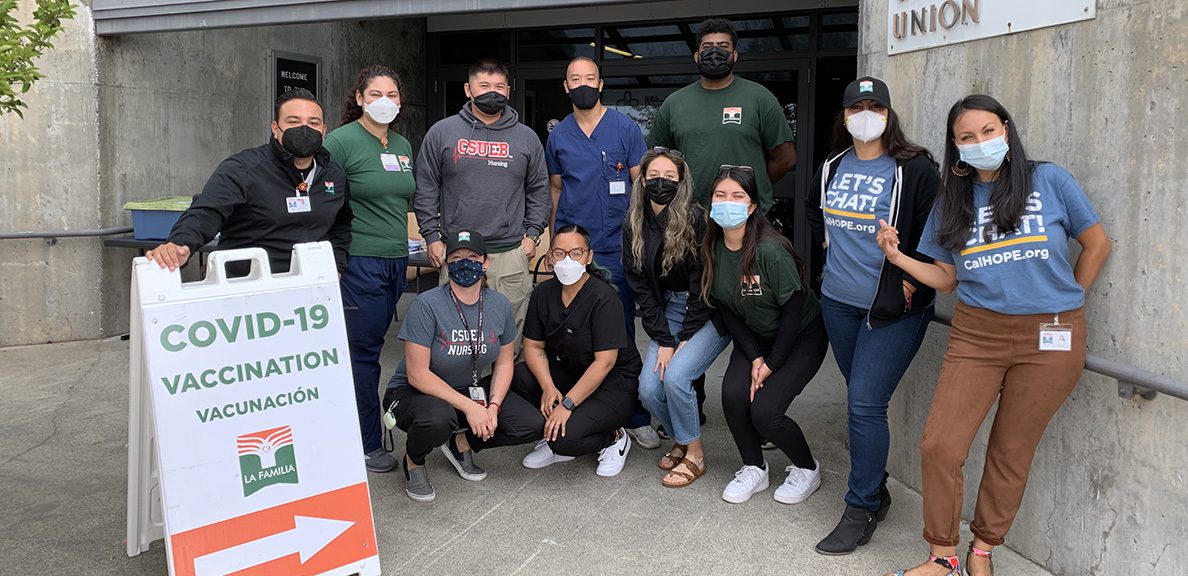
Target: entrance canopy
133,16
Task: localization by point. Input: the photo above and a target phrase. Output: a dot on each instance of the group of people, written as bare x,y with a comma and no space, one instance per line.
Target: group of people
675,227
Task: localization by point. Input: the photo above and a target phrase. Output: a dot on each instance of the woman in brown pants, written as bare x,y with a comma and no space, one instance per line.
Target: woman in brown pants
999,236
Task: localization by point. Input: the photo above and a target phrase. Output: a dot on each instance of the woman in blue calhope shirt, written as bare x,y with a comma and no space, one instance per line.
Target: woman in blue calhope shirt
999,234
875,313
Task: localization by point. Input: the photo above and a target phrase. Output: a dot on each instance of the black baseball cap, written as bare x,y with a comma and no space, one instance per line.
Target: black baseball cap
867,88
466,239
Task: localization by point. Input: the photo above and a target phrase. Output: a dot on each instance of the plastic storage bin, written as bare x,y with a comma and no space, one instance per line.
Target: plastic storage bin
153,219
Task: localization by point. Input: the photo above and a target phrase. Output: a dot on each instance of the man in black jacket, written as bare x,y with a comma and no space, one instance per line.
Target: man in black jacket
285,192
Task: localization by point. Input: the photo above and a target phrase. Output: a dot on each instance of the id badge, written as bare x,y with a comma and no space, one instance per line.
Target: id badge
478,395
618,187
1055,337
391,162
298,204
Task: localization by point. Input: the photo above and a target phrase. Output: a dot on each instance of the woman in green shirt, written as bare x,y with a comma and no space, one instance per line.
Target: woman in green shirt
378,165
753,276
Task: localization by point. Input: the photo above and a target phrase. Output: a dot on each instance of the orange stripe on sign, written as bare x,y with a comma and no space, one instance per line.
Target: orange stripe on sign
1004,243
352,504
858,215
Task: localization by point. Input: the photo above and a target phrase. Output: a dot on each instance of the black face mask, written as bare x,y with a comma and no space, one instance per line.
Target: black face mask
584,97
715,63
660,190
490,102
301,141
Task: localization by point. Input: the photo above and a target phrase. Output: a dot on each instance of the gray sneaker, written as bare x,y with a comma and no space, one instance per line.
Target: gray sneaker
645,437
379,461
463,462
416,483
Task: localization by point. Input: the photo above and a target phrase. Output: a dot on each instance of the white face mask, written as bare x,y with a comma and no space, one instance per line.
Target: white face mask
568,271
382,110
866,125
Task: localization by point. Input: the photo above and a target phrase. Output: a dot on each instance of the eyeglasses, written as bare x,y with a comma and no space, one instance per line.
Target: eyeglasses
728,167
559,254
670,151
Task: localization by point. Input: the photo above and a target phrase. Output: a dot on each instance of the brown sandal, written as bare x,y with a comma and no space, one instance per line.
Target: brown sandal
669,461
696,470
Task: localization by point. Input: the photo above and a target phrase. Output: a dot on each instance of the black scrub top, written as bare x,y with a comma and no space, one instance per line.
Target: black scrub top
593,322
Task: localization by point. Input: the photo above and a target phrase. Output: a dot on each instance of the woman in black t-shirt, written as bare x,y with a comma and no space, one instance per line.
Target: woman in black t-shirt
579,365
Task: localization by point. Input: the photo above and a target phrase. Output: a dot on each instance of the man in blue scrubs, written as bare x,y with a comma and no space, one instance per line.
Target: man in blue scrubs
593,159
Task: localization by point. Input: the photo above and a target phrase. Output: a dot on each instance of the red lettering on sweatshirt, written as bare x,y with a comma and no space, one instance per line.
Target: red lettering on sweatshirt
482,149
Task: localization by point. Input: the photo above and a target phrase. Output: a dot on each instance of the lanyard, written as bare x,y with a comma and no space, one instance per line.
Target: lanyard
305,185
474,344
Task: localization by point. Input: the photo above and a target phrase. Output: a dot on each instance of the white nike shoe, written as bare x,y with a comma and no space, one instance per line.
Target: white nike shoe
542,456
612,458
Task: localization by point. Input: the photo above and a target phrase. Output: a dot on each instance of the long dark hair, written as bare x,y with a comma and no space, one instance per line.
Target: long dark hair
895,142
1008,199
758,229
593,269
351,110
680,239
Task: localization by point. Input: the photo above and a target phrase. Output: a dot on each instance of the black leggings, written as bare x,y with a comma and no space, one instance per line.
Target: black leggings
430,421
767,415
593,423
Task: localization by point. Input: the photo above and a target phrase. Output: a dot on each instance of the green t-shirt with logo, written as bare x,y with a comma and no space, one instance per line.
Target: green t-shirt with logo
735,125
758,299
379,194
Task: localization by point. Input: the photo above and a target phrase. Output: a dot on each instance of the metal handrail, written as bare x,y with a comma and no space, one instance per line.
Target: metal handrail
1132,380
51,236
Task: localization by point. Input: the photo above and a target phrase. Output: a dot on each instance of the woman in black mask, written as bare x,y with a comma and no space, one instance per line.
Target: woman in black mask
661,237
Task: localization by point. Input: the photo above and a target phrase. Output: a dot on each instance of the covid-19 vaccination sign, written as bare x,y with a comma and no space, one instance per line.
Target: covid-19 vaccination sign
260,459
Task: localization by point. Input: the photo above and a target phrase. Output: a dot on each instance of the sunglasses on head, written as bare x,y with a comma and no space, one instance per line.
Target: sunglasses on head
670,151
723,169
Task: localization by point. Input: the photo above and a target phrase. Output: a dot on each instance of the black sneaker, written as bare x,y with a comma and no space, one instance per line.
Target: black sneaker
463,461
416,483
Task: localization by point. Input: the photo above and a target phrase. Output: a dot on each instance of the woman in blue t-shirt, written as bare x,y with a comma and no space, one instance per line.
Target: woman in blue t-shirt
874,312
999,234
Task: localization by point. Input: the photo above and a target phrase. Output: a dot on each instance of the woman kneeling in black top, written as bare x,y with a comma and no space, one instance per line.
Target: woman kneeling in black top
579,365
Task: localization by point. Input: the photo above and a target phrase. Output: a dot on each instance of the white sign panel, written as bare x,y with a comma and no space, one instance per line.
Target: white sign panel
919,24
260,458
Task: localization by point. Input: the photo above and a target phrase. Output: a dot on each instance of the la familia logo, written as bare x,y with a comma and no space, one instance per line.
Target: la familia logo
266,458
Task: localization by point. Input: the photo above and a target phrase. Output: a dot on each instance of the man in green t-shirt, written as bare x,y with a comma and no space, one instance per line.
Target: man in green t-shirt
750,130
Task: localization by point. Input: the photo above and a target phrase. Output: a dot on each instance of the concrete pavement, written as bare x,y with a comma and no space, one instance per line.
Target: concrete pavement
63,459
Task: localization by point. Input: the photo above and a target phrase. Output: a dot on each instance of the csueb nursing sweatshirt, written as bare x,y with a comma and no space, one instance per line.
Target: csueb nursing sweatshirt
479,177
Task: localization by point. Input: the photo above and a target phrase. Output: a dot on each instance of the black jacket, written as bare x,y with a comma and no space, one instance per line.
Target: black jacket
649,287
245,200
914,188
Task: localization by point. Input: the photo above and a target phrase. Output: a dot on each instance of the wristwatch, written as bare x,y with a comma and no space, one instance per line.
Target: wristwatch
567,402
534,238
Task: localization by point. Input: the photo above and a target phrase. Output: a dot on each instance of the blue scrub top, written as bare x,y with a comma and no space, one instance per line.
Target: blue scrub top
587,167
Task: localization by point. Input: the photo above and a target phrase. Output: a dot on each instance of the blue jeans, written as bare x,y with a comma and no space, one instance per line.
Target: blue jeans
872,362
674,402
370,289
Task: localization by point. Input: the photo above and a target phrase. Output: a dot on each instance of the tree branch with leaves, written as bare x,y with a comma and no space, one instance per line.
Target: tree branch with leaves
21,44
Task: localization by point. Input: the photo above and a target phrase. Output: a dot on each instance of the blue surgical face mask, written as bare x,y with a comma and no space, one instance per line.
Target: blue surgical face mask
729,215
986,155
465,272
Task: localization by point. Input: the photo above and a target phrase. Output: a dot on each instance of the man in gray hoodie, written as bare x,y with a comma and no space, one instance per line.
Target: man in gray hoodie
484,171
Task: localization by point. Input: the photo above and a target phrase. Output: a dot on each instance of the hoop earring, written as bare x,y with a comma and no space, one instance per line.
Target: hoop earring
961,172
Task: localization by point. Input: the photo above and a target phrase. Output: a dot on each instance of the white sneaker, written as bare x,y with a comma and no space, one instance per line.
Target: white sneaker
748,481
542,456
645,436
799,485
612,458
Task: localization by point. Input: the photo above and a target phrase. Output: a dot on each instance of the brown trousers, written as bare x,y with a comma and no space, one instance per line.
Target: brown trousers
992,356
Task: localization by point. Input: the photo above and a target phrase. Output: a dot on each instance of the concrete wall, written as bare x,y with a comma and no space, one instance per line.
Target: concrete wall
1106,99
141,117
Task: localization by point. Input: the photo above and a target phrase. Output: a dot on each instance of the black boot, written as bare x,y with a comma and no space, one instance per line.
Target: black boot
855,529
884,502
